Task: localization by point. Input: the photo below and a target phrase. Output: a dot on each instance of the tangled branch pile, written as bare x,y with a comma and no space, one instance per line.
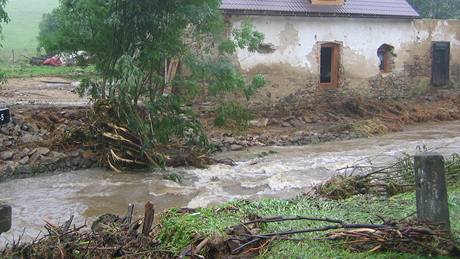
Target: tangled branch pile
404,236
388,180
110,236
164,135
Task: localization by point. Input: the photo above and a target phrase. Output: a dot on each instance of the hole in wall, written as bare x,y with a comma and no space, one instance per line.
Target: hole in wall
386,57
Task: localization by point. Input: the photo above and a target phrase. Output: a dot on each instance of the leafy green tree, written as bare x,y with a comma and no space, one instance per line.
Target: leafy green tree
3,15
152,56
437,9
3,19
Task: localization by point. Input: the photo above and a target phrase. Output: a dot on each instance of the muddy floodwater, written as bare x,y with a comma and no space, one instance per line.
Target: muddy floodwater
280,172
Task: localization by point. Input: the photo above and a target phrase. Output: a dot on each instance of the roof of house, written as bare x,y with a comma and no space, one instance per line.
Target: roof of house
366,8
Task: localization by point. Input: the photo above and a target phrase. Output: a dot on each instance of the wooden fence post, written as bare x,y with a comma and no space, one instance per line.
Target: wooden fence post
5,218
431,189
148,218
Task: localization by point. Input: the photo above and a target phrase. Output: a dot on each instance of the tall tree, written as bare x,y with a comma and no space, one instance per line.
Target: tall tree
437,9
3,19
140,49
3,15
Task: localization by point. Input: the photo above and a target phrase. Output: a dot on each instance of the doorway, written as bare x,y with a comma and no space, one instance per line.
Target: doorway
440,68
329,67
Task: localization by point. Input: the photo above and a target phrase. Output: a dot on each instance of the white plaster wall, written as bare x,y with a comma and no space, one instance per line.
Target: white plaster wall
296,40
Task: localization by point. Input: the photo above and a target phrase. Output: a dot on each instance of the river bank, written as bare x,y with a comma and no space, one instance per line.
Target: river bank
218,232
259,173
55,137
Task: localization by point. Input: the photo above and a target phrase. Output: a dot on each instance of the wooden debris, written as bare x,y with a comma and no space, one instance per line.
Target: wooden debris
148,218
404,236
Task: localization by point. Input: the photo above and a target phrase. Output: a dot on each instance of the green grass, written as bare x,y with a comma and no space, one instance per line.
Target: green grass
21,33
25,70
178,230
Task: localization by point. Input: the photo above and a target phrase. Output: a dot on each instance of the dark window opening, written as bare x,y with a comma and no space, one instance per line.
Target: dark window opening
326,64
386,58
329,65
440,63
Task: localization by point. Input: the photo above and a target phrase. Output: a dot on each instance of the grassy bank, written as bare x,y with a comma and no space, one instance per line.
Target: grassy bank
21,70
178,230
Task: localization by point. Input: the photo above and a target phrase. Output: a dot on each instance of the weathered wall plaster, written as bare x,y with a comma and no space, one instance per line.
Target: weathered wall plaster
294,65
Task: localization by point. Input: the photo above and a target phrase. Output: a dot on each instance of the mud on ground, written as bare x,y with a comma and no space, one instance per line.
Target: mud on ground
332,117
41,90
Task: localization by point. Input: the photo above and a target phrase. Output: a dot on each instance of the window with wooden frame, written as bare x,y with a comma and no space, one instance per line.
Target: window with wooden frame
386,58
329,65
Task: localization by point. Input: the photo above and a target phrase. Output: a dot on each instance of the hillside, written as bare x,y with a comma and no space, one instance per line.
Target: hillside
20,34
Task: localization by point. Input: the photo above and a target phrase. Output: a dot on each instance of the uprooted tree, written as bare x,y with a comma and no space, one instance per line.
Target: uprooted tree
152,58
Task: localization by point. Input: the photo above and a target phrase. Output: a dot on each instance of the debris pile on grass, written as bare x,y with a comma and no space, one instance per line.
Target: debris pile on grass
406,236
110,237
389,180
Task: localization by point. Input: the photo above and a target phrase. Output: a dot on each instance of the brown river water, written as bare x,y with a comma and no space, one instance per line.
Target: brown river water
284,173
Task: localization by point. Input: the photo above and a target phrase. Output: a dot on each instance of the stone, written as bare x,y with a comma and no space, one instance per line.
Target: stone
286,124
43,151
299,134
236,147
431,189
307,119
6,155
58,155
25,127
75,153
4,131
27,138
229,140
25,151
259,123
5,218
24,160
17,128
8,143
34,158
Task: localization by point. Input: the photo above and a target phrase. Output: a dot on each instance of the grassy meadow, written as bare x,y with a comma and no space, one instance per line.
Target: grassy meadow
20,38
20,35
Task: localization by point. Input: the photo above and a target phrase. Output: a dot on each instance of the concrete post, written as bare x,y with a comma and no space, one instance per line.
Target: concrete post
431,189
5,218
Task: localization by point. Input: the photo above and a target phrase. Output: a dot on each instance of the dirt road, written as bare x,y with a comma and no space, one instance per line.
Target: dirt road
41,90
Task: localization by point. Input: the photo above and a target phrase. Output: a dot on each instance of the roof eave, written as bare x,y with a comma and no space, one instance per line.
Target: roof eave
311,14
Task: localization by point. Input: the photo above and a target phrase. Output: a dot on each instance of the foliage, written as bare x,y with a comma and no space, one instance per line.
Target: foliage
232,115
150,57
391,180
22,69
179,229
3,19
3,15
47,36
437,9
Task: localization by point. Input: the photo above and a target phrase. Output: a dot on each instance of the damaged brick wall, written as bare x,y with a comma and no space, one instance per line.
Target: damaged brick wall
292,70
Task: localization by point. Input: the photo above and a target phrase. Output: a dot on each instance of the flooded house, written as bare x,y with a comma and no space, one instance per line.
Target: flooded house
378,48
